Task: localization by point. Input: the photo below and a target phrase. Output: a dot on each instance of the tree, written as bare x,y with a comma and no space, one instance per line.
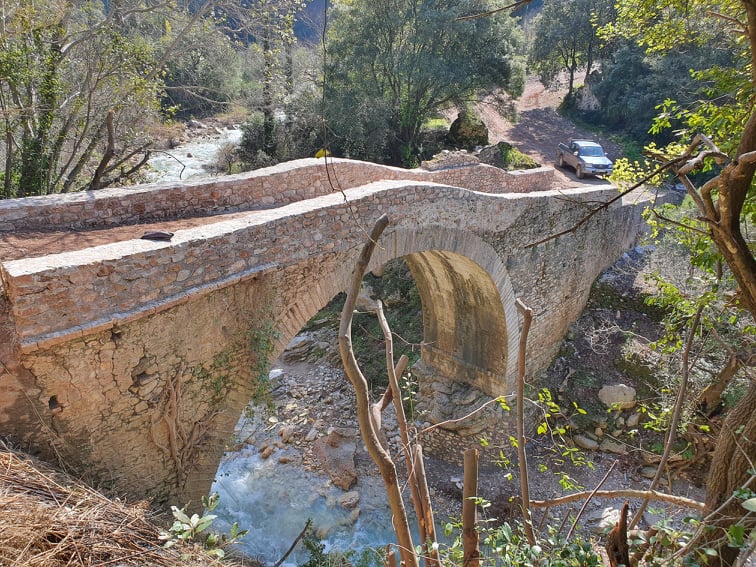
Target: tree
79,88
392,64
566,39
718,142
281,125
632,84
205,75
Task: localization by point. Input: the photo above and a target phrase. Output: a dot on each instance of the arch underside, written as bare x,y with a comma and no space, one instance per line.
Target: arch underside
465,331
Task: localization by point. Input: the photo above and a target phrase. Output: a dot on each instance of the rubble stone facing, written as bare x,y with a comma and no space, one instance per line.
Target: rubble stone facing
261,189
133,361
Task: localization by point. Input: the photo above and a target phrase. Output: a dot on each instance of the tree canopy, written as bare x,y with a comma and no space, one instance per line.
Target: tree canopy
395,64
79,87
567,39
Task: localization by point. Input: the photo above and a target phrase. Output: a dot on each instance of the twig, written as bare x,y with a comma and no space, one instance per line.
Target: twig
522,458
590,497
621,493
492,12
607,204
294,544
464,417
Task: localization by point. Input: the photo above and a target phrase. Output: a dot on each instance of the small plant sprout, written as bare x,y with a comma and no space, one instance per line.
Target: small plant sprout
191,529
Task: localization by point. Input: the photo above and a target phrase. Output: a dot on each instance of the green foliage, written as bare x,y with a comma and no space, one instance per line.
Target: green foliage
403,310
215,379
318,557
507,545
206,76
513,159
393,65
63,68
298,136
555,425
262,338
189,530
566,38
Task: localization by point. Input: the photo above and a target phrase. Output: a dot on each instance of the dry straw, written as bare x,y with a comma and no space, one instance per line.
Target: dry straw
50,520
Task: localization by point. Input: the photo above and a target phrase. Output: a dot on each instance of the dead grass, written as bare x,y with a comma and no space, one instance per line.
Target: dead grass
50,520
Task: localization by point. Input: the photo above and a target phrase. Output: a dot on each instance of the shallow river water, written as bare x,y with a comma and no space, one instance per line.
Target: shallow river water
274,501
189,161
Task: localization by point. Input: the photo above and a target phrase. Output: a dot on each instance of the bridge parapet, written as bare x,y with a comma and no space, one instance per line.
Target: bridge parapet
262,189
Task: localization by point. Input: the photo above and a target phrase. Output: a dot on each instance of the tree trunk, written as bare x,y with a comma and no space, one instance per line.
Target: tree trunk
369,435
269,144
470,540
616,541
709,401
730,469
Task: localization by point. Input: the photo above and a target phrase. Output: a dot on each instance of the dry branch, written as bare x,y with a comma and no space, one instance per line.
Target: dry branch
369,435
527,318
470,539
622,493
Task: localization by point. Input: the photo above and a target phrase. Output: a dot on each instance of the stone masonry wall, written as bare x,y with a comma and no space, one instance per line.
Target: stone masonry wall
265,188
135,359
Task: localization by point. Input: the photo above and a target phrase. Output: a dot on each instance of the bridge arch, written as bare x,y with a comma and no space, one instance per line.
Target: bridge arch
469,315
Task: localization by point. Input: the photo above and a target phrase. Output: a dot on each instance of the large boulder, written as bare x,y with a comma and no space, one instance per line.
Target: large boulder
468,131
335,453
617,396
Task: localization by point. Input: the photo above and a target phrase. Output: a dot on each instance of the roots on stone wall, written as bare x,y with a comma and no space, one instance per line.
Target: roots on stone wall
183,446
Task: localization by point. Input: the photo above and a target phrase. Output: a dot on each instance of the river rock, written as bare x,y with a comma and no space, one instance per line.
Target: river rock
619,396
609,446
267,451
585,442
286,433
633,420
365,301
349,500
335,453
648,472
602,519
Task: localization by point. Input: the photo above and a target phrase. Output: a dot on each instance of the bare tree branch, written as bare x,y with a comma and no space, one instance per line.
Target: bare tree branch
496,11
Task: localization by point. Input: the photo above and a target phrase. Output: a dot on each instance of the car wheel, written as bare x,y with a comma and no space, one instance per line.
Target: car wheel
560,160
579,171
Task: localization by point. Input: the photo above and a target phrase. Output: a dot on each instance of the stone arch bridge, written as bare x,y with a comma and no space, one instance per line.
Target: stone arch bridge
132,360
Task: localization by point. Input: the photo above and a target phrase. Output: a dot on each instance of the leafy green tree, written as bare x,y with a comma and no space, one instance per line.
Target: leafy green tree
716,163
392,64
205,75
566,39
632,84
270,24
79,88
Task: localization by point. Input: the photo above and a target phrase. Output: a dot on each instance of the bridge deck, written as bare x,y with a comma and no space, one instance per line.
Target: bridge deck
32,244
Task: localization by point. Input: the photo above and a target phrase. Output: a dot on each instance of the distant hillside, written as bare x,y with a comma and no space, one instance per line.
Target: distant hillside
309,25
